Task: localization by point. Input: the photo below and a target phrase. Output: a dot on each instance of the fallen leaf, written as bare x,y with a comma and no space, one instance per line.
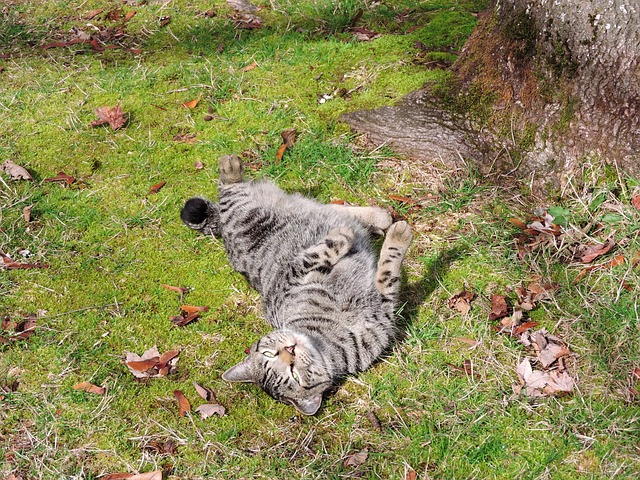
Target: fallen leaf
7,262
375,422
155,475
185,138
26,213
411,475
635,201
151,364
403,199
551,352
117,476
20,330
614,262
207,410
594,251
289,137
518,223
250,67
499,307
167,447
129,15
559,383
89,388
242,6
93,13
184,319
180,290
468,341
364,34
191,104
114,116
164,21
198,165
636,373
280,152
16,172
62,178
524,327
143,365
157,187
204,392
247,21
183,404
461,301
193,309
356,459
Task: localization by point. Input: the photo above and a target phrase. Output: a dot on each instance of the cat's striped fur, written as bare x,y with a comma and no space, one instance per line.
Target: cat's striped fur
331,306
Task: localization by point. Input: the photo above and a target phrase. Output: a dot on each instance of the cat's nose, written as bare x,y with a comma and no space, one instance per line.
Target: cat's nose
291,349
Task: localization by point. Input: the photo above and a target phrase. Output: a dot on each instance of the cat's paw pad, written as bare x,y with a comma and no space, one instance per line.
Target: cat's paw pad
231,169
340,240
400,234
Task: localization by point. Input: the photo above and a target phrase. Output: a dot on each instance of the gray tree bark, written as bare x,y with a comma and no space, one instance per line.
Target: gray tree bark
562,80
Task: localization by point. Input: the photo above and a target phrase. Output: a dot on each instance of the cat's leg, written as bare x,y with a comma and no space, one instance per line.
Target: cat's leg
323,256
377,219
230,169
201,215
393,250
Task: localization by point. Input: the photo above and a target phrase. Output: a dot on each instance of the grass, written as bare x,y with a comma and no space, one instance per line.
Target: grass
111,245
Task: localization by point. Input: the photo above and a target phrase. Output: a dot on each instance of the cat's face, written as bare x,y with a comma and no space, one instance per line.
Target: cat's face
288,367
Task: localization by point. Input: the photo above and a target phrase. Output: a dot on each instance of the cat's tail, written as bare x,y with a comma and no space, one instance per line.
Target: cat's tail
201,215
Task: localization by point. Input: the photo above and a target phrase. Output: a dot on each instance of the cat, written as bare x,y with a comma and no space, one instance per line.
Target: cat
331,306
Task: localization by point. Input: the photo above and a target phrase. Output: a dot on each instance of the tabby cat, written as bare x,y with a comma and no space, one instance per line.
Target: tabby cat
314,265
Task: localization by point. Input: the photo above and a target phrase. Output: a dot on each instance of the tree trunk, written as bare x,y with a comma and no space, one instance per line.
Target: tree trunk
554,85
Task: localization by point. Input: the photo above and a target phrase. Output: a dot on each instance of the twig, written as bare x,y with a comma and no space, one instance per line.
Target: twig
79,310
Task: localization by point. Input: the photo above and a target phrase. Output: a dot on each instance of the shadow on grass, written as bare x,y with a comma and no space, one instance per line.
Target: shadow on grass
414,294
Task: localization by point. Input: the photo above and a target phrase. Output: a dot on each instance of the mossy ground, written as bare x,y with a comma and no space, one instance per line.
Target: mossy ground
111,245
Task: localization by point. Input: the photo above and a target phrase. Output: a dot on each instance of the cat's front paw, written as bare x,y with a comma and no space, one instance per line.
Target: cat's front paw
339,240
400,234
231,169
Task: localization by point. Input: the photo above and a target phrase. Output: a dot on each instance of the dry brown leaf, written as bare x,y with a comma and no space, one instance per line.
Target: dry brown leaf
26,213
155,475
411,475
16,172
62,178
157,187
559,383
164,21
185,138
183,404
518,223
289,137
143,365
461,301
280,152
205,392
375,422
117,476
151,364
93,13
166,357
594,251
8,262
89,388
114,116
180,290
356,459
499,307
635,201
162,447
551,352
247,21
524,327
636,373
193,309
250,67
192,103
242,6
468,341
198,165
129,15
208,409
614,262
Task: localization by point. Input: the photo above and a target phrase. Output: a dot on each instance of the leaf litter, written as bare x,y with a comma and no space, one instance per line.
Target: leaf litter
114,116
16,172
151,364
461,301
211,408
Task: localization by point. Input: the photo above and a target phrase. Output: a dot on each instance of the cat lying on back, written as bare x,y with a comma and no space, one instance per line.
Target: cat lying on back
315,267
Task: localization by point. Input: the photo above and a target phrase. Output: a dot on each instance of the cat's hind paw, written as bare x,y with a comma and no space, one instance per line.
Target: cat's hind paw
339,241
399,235
231,169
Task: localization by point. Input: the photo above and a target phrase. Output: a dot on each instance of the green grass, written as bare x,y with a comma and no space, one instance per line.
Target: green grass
110,245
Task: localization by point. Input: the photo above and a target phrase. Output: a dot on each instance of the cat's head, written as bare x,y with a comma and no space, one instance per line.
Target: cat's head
288,367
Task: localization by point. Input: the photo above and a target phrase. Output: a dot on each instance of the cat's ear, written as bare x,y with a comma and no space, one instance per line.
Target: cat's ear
308,406
242,372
